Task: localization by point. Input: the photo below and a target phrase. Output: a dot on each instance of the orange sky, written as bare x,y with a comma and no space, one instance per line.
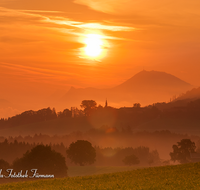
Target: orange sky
40,43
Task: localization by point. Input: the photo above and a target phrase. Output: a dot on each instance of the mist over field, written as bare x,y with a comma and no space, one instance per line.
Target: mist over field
156,127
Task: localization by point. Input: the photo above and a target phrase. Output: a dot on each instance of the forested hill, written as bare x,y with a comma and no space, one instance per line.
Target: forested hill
98,117
174,116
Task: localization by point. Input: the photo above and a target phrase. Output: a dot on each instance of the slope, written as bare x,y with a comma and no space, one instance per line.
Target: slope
179,177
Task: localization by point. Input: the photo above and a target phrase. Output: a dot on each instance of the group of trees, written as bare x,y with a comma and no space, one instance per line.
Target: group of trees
48,161
180,109
89,108
162,140
46,114
82,152
29,117
9,151
127,156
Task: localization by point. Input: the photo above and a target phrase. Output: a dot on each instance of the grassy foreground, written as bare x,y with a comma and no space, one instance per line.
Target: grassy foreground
74,171
183,177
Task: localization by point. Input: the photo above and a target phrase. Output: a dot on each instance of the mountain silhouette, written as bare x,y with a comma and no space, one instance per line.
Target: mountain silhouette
146,87
146,80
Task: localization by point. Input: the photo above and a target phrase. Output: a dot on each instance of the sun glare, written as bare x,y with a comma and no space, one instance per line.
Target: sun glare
93,46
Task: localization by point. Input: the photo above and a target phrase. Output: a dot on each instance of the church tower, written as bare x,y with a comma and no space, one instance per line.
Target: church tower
106,104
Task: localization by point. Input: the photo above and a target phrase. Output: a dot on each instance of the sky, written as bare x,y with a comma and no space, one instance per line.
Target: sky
43,44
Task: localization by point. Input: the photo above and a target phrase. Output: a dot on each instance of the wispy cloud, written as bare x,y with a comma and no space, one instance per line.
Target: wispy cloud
61,20
52,76
36,70
65,77
96,26
105,27
39,11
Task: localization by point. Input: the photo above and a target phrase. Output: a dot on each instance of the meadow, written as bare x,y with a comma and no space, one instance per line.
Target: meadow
74,171
178,177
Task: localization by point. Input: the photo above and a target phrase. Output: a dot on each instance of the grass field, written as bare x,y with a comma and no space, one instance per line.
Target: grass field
74,171
179,177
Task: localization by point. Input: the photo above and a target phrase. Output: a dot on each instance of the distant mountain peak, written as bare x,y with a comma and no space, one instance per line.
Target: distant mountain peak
145,87
153,78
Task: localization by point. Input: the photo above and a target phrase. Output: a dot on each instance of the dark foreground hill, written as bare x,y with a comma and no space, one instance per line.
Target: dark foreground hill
146,87
179,177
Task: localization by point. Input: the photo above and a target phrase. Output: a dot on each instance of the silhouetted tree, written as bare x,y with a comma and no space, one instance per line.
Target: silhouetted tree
181,152
81,152
136,105
44,159
131,160
88,106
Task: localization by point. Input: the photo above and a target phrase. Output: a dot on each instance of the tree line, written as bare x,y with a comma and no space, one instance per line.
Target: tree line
89,109
135,114
10,151
48,161
108,137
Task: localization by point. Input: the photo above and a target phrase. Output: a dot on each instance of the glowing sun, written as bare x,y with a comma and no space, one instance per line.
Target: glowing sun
93,44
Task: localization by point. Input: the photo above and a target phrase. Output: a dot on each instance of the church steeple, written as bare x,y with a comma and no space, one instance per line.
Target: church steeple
106,104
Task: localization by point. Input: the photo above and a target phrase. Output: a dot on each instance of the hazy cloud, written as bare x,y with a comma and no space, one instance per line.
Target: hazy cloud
142,6
181,12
